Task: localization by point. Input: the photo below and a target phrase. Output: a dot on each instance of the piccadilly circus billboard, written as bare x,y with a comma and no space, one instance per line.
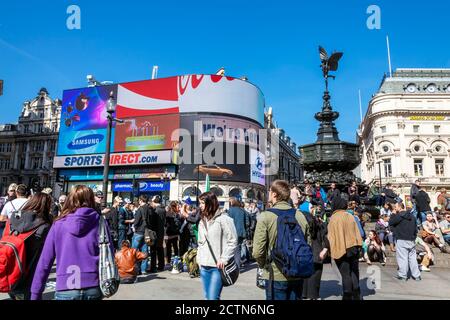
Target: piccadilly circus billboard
150,111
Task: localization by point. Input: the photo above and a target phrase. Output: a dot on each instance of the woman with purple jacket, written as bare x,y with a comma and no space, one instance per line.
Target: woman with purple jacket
73,242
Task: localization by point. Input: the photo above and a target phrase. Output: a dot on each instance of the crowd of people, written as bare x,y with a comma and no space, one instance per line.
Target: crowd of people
149,236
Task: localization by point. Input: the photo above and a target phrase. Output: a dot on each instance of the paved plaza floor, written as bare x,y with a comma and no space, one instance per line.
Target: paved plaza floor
377,283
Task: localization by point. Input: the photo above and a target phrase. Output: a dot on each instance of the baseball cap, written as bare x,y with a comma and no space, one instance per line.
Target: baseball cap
127,201
99,194
47,190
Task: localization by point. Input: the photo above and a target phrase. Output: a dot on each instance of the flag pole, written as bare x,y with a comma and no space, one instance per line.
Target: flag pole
389,56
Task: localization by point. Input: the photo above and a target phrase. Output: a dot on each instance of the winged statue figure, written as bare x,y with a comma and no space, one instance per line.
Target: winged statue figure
329,63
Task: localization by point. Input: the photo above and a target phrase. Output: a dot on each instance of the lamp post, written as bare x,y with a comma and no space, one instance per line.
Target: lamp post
110,109
379,170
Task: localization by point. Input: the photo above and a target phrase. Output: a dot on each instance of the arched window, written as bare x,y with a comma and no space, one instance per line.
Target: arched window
191,192
251,194
217,191
236,192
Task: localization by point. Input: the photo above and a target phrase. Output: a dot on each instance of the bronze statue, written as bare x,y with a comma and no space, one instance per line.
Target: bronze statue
329,63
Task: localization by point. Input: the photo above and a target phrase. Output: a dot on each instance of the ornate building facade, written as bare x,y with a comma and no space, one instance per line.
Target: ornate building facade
289,168
28,147
405,134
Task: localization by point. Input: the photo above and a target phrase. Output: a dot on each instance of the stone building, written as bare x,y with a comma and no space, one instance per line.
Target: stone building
405,134
27,148
289,168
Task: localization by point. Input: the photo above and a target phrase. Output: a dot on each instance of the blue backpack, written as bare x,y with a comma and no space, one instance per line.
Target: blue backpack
291,254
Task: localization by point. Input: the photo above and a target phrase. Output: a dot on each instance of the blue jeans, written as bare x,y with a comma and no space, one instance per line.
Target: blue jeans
447,238
83,294
284,290
122,237
212,282
421,217
390,237
139,244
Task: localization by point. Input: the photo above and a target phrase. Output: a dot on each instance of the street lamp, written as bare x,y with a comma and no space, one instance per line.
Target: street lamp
379,170
165,177
110,109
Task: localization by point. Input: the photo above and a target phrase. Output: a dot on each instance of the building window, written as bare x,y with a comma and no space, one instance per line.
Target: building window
418,167
416,129
8,147
387,165
439,165
41,114
7,164
437,129
38,146
236,192
385,149
383,129
438,148
26,128
40,128
417,148
37,163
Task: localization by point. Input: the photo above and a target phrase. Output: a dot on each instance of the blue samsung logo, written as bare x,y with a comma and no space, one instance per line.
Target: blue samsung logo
85,142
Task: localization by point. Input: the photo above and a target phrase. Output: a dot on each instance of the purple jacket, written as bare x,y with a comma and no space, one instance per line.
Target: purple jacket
73,241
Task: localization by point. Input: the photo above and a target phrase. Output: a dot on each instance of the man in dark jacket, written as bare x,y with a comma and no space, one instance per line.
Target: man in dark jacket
404,227
157,221
422,205
389,194
415,187
140,224
242,223
113,220
333,193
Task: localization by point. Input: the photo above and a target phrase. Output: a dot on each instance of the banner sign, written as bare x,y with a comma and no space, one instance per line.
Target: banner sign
147,186
116,159
257,168
427,118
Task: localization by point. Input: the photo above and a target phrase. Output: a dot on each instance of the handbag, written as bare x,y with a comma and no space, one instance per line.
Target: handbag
230,271
109,279
149,237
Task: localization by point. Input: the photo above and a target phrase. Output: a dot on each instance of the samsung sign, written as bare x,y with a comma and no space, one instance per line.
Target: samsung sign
85,142
147,186
116,159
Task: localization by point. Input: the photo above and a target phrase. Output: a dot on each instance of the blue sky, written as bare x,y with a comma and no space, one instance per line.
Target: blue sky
273,43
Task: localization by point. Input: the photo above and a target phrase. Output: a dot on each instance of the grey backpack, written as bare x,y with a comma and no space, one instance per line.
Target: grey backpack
108,273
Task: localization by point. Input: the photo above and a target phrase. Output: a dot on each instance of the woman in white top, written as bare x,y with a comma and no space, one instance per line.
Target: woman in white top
219,230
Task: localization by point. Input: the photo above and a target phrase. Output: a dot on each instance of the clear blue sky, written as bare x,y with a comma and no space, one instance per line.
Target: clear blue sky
273,43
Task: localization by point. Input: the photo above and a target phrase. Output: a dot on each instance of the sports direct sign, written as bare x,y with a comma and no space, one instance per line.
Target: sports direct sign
116,159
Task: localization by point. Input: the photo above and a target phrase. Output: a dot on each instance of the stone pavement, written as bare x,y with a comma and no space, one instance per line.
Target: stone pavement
168,286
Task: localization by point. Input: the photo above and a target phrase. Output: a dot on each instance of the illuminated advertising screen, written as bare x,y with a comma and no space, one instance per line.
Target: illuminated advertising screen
146,133
84,120
151,110
221,128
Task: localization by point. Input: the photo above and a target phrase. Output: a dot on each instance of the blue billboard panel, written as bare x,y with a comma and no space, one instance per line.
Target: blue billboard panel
84,120
147,186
